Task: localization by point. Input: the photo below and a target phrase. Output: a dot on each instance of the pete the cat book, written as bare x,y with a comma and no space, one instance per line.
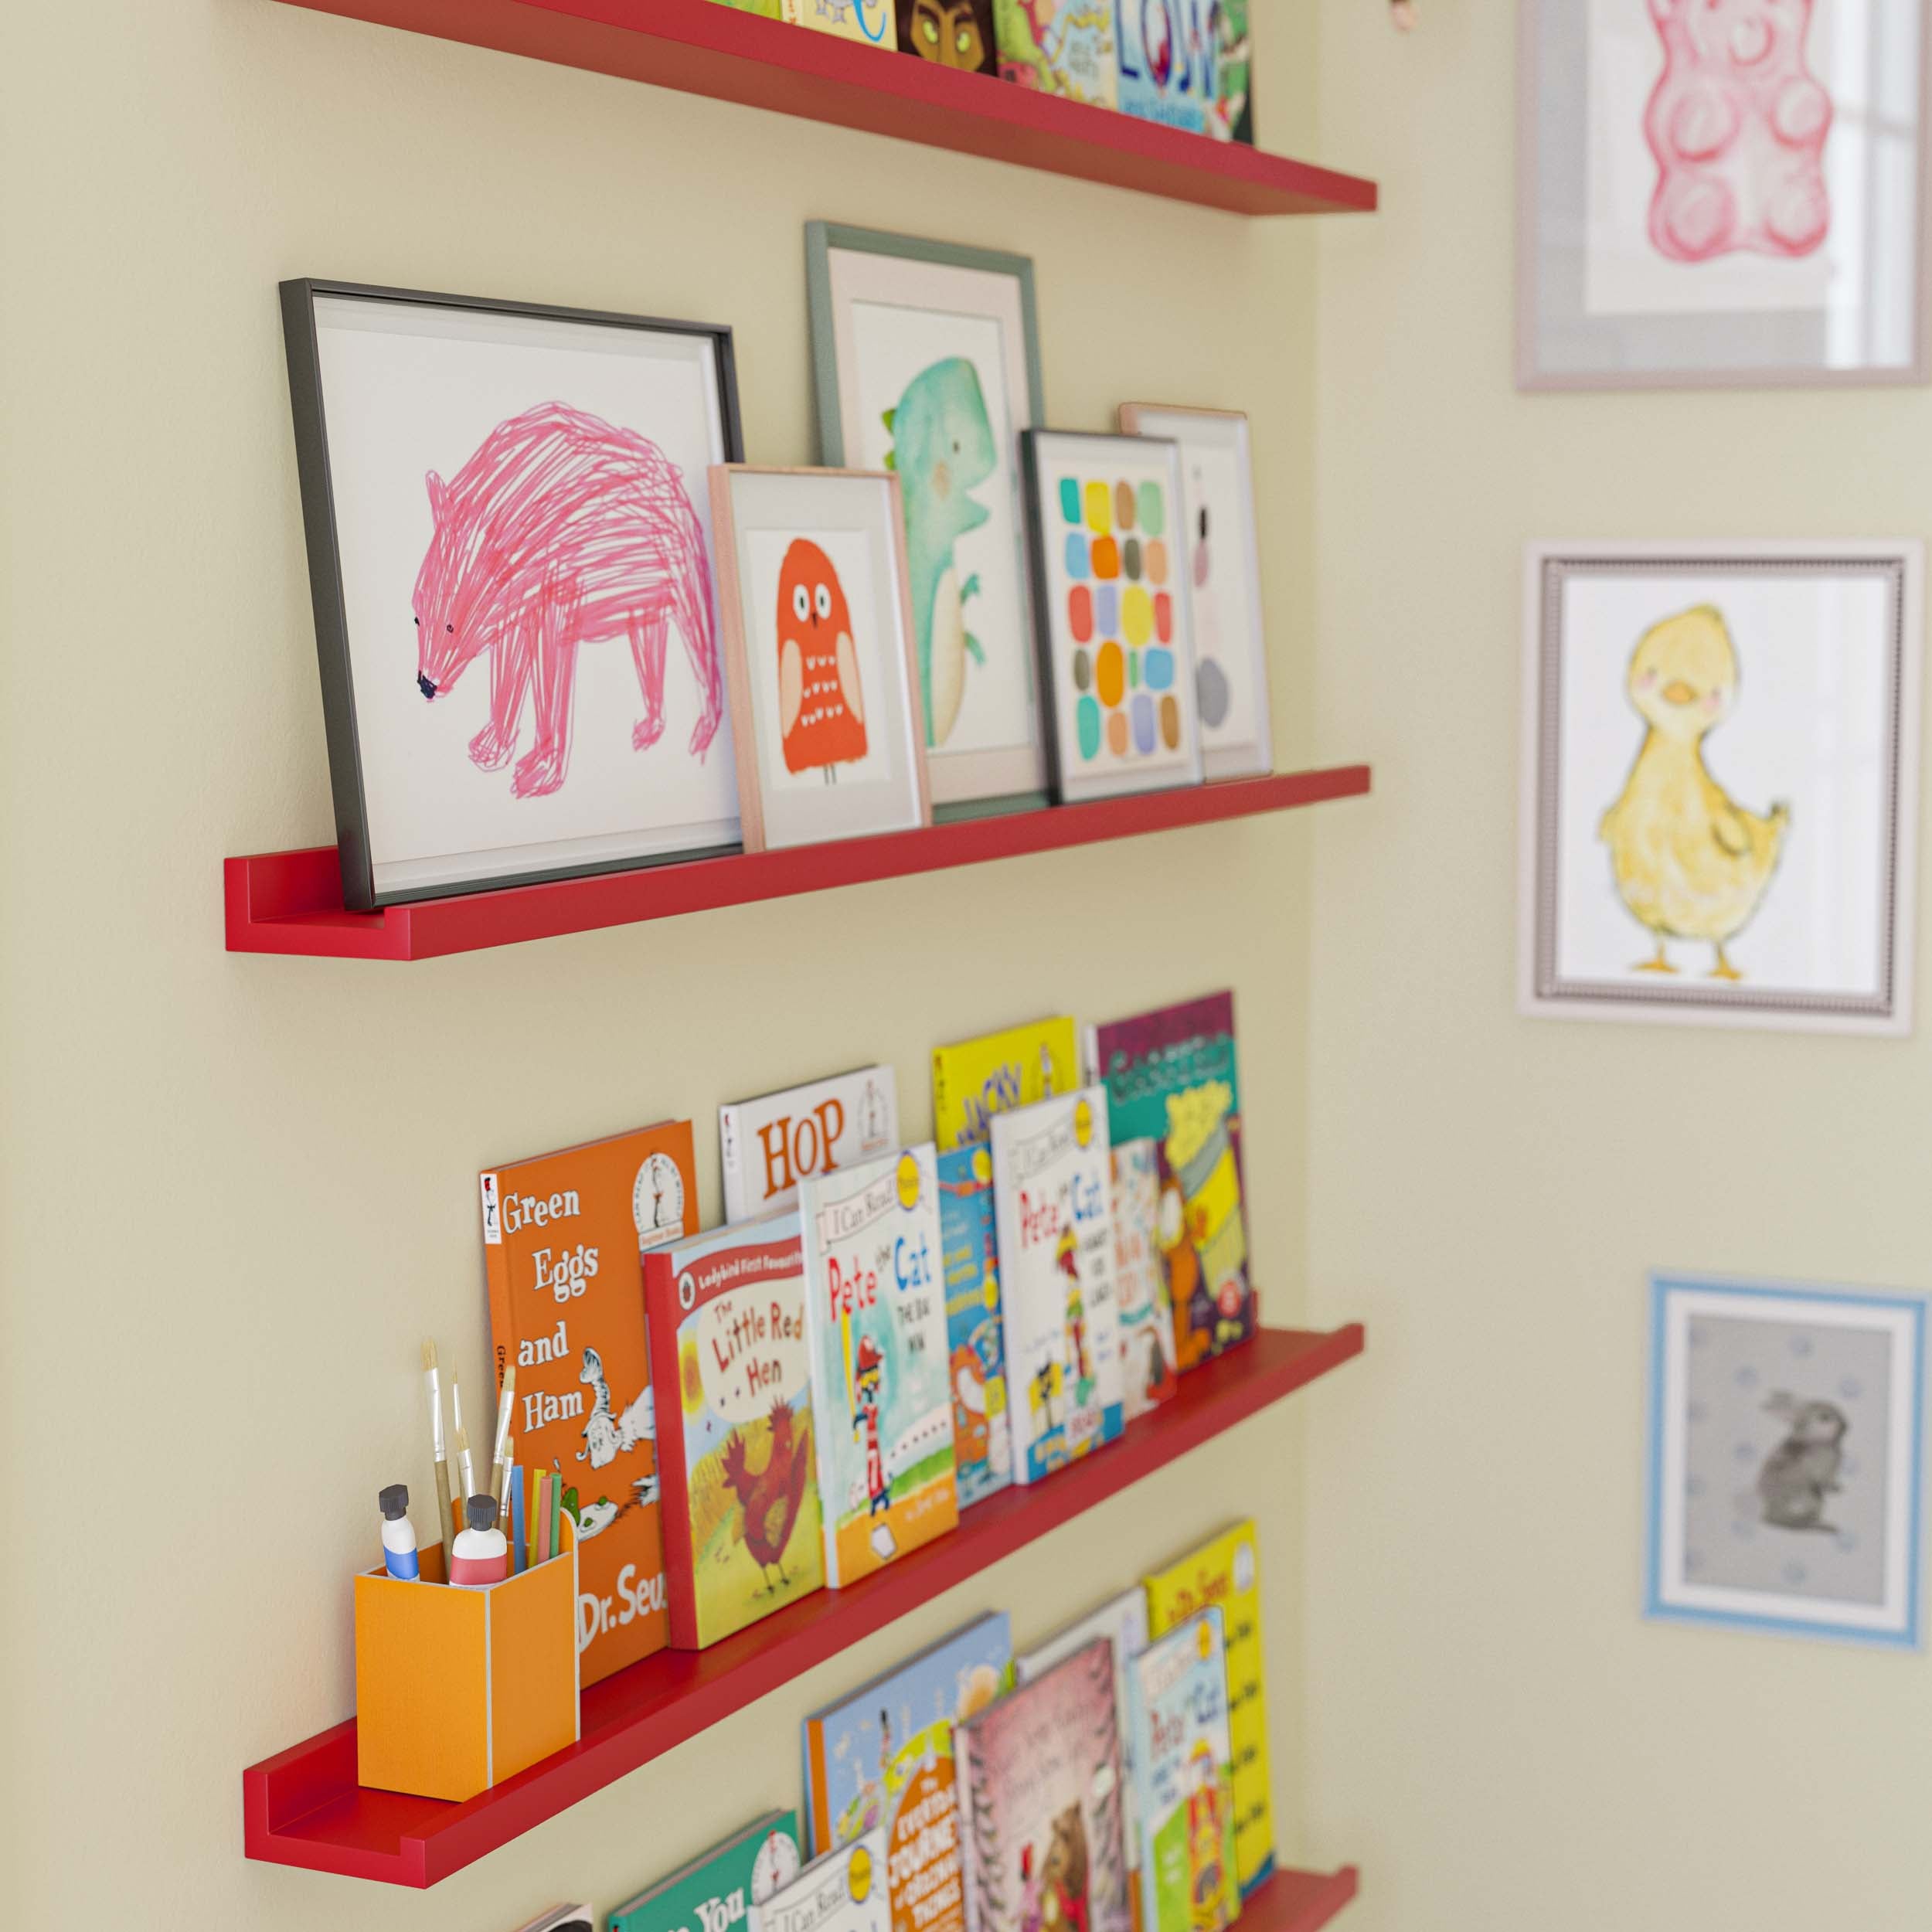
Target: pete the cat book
973,1079
1041,1788
718,1892
875,1327
845,1891
563,1239
1172,1076
743,1533
769,1145
969,1244
1140,1282
1051,1189
1183,1763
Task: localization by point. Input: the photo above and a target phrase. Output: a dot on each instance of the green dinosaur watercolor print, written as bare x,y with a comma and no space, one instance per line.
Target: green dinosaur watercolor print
943,449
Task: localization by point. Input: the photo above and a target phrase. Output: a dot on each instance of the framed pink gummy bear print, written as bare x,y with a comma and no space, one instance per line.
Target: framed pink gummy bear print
1721,193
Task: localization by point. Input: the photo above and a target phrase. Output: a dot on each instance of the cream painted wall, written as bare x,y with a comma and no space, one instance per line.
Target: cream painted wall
1492,1726
240,1191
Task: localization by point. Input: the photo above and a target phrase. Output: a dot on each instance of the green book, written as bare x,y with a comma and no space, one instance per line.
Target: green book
715,1893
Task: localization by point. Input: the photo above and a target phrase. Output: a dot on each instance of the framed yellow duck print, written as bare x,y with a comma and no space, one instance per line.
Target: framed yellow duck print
1719,783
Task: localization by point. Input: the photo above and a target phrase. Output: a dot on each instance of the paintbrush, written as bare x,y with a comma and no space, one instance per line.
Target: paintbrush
433,1382
499,1470
465,1466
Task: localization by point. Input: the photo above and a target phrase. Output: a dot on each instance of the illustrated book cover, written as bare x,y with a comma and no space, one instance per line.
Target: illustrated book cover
564,1237
845,1891
769,1145
564,1918
1167,56
969,1251
874,22
1051,1188
882,1759
949,33
974,1080
1060,47
1225,1573
718,1892
1182,1759
875,1327
1172,1076
1041,1795
1140,1282
1232,116
742,1532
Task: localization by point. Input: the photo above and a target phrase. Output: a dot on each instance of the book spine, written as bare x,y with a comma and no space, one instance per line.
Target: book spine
818,1797
966,1817
1018,1380
942,1132
496,1269
674,1476
827,1414
731,1160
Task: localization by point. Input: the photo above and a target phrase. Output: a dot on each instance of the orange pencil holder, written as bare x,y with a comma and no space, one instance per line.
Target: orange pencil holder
457,1689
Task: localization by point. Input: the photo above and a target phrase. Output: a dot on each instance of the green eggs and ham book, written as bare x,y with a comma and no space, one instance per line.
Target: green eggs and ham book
982,1442
875,1330
1051,1184
719,1891
845,1891
740,1505
1172,1076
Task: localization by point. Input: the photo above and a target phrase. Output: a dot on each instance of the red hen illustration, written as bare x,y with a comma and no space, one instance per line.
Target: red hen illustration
770,1498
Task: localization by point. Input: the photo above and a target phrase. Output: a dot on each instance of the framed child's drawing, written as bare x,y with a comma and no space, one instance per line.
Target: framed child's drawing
1719,783
510,556
926,362
1223,569
818,655
1721,194
1786,1448
1112,613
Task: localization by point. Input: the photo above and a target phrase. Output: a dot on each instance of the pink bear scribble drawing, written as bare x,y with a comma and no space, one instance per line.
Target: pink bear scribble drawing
1737,124
563,530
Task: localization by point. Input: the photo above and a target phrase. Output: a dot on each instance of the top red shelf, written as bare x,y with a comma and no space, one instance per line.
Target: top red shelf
703,48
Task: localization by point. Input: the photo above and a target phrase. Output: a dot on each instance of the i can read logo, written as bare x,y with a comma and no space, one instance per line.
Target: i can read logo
859,1876
908,1181
1083,1123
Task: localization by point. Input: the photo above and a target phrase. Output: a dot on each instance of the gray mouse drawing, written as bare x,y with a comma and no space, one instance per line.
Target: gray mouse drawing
1802,1470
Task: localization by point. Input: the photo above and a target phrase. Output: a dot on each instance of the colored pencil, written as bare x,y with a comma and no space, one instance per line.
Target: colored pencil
519,1559
557,1513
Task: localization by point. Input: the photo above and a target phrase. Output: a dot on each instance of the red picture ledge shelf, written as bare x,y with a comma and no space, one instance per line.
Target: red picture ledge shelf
304,1807
291,902
703,48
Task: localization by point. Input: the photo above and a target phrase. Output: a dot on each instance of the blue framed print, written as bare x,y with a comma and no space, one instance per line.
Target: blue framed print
1786,1458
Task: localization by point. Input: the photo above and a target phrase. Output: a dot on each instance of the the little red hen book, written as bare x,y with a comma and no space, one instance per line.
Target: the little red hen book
742,1534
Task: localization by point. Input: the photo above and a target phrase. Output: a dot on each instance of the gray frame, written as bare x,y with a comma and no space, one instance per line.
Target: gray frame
821,238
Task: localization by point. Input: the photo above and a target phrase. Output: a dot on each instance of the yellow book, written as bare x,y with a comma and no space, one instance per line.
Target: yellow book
874,22
975,1079
1225,1572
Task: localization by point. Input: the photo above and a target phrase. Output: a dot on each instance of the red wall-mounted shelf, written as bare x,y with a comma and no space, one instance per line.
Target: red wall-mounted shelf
1299,1901
304,1808
702,48
291,902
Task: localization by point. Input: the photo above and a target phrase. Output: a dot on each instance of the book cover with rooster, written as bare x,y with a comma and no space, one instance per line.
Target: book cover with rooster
742,1527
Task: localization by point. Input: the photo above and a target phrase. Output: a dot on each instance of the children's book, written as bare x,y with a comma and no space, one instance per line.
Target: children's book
1172,1076
770,1144
969,1252
949,33
1168,55
871,21
743,1534
562,1235
975,1079
1122,1620
1051,1184
1140,1282
1042,1789
1225,1573
718,1891
564,1918
882,1759
1232,116
875,1328
845,1891
1183,1763
1060,47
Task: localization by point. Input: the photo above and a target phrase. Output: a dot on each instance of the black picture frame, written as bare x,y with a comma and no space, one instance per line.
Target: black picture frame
300,337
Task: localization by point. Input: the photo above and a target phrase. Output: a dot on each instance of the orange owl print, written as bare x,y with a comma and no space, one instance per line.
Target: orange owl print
822,706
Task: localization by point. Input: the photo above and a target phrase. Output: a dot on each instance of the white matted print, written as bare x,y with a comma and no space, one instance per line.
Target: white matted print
819,653
1224,581
1786,1458
1720,784
1721,192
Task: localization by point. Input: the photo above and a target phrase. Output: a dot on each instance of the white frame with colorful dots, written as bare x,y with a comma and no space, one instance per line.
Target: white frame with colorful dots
1088,759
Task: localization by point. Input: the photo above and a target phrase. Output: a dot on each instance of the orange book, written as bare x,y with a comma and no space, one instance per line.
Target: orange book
563,1239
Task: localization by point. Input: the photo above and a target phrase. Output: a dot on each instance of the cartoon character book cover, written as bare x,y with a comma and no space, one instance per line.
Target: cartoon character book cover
1183,1759
1059,47
742,1527
949,33
873,21
1225,1572
845,1891
974,1080
882,1759
876,1325
562,1237
718,1892
1041,1789
1168,52
1172,1075
1147,1316
1051,1189
1231,118
969,1245
770,1144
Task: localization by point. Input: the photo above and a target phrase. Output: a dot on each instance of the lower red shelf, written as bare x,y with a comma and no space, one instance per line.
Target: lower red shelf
304,1808
1300,1901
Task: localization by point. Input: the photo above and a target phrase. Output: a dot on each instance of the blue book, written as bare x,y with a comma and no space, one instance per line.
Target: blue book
1167,56
969,1262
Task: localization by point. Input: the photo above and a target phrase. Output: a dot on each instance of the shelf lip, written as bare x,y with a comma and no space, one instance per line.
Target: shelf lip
700,47
291,902
303,1807
1300,1901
